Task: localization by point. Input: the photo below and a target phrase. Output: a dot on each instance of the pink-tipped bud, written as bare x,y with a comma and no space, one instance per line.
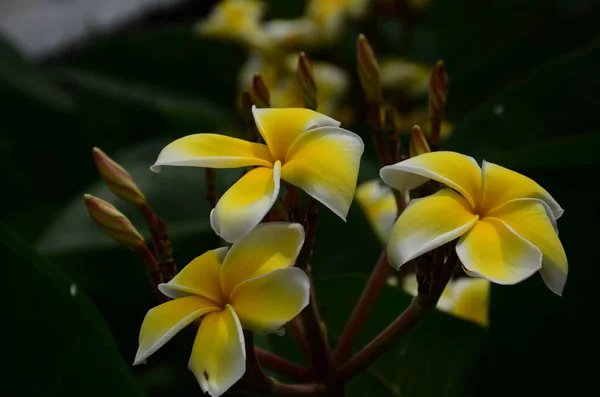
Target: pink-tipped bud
438,91
418,142
113,222
260,93
368,70
306,81
117,178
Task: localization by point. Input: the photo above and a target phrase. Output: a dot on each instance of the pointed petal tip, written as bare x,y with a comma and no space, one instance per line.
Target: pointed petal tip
155,168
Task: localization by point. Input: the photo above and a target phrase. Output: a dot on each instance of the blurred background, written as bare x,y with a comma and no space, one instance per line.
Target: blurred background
130,76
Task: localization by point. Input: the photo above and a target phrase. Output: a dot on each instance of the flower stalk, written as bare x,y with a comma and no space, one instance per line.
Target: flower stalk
282,366
391,135
438,94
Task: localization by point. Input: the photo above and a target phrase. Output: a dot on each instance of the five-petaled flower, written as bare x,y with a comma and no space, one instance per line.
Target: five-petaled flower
304,148
250,286
506,222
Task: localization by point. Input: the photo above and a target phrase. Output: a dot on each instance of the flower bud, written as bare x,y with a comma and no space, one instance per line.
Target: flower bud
418,142
260,92
438,91
113,222
306,81
117,178
368,70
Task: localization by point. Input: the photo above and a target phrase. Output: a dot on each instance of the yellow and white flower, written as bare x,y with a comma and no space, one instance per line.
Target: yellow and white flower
251,286
304,148
233,19
379,205
506,222
331,15
466,298
406,76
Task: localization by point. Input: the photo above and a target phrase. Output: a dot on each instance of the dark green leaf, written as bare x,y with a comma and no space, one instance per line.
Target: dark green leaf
57,341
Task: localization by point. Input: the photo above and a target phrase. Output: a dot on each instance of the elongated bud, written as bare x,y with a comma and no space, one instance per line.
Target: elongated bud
418,142
368,70
306,81
438,91
260,92
117,178
113,222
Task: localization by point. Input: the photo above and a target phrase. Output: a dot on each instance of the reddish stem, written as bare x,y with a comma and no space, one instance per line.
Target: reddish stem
296,327
281,365
363,308
154,273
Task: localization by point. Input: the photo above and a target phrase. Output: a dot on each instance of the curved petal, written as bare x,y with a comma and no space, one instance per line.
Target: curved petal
202,276
529,218
246,203
379,204
218,357
266,303
471,300
166,320
428,223
270,246
460,172
493,251
501,185
213,151
280,127
324,163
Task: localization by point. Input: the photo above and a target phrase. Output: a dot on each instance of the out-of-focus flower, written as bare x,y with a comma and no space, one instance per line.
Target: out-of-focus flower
405,122
419,5
505,222
331,15
237,20
278,36
379,205
251,286
113,222
409,77
305,148
465,297
280,78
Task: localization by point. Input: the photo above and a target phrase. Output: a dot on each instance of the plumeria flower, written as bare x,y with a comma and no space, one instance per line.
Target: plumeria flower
233,19
405,122
465,297
506,222
304,148
251,286
331,15
409,77
379,205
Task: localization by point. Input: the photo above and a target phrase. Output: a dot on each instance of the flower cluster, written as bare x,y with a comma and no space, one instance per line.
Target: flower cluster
428,205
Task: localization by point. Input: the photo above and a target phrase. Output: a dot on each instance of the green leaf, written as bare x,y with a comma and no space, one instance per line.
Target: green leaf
545,104
57,341
437,358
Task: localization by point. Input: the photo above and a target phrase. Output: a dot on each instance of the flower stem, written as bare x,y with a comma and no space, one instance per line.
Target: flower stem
163,249
296,327
154,273
374,120
281,365
419,306
304,389
362,309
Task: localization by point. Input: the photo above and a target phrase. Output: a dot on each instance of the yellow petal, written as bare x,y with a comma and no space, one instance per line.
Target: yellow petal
218,357
270,246
213,151
202,276
324,163
280,127
471,299
166,320
460,172
428,223
529,218
492,251
501,185
246,203
379,204
266,303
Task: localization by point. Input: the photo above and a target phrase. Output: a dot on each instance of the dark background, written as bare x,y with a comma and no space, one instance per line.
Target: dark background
72,301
